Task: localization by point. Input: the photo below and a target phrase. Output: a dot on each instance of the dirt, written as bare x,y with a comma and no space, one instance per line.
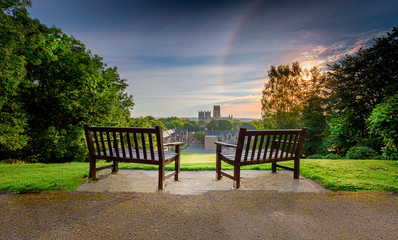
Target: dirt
212,215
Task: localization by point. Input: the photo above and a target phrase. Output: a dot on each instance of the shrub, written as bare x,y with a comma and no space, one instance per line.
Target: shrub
315,156
332,156
384,122
361,152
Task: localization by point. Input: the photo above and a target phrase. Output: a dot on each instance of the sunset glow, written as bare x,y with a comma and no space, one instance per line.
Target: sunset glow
180,57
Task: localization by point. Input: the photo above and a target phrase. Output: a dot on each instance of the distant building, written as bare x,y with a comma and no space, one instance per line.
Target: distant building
216,112
209,142
206,115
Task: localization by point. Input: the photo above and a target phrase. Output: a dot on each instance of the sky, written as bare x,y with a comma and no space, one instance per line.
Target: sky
180,57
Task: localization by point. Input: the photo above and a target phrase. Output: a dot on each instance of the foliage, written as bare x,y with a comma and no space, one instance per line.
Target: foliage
384,122
332,156
357,84
295,97
282,96
199,136
315,156
219,124
361,152
52,85
313,115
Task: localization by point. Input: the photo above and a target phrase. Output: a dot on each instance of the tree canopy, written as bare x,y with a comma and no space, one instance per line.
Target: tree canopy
335,105
52,85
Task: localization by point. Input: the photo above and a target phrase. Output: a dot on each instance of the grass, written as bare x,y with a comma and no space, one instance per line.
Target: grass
337,175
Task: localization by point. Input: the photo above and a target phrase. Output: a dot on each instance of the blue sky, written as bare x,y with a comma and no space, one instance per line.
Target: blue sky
180,57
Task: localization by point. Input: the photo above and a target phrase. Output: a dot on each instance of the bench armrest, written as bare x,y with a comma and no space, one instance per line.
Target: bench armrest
225,144
172,144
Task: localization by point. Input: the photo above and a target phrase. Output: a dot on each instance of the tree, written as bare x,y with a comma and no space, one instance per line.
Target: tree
358,83
13,117
282,96
200,137
295,97
313,115
384,122
52,85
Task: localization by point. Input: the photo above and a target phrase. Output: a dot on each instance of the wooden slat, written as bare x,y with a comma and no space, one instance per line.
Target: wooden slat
266,147
115,144
261,147
247,147
285,167
254,148
296,138
170,175
102,142
143,144
122,144
283,143
272,146
151,146
97,143
123,129
289,144
227,175
272,132
137,152
129,144
278,145
109,144
103,167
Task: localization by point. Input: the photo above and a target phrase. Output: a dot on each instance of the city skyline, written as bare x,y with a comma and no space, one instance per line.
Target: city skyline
182,56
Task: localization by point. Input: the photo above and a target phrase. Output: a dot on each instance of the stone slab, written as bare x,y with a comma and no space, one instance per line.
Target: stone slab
197,182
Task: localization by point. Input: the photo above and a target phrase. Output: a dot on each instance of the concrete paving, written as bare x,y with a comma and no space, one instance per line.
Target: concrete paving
197,182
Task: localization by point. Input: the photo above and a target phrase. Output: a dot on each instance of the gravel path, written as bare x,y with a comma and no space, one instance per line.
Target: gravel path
213,215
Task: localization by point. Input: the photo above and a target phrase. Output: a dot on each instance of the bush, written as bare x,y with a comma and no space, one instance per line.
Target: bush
384,122
315,156
332,156
361,152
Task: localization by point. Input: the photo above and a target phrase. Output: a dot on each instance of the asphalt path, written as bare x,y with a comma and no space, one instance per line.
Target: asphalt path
212,215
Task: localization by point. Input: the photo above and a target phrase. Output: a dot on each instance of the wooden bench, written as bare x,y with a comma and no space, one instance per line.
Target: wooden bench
135,145
261,146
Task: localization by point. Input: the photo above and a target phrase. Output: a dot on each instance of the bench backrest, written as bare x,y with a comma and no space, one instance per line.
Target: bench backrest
261,145
121,142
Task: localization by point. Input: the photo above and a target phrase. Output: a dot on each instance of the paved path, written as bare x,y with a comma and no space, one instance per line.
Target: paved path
197,182
212,215
197,148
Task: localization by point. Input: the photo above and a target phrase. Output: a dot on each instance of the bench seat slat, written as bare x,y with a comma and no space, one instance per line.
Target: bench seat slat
167,155
281,156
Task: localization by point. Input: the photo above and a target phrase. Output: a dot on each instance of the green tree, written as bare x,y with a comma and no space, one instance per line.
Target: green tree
212,124
224,124
313,115
384,122
200,137
281,100
358,83
53,85
13,117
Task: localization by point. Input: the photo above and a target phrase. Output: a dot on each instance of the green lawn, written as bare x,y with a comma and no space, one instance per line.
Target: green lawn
337,175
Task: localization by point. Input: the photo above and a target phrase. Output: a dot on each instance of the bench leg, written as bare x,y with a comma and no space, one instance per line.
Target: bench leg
177,167
296,168
237,177
274,167
115,167
92,173
218,163
161,176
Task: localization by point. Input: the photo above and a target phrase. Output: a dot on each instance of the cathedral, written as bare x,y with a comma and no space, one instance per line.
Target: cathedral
206,115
